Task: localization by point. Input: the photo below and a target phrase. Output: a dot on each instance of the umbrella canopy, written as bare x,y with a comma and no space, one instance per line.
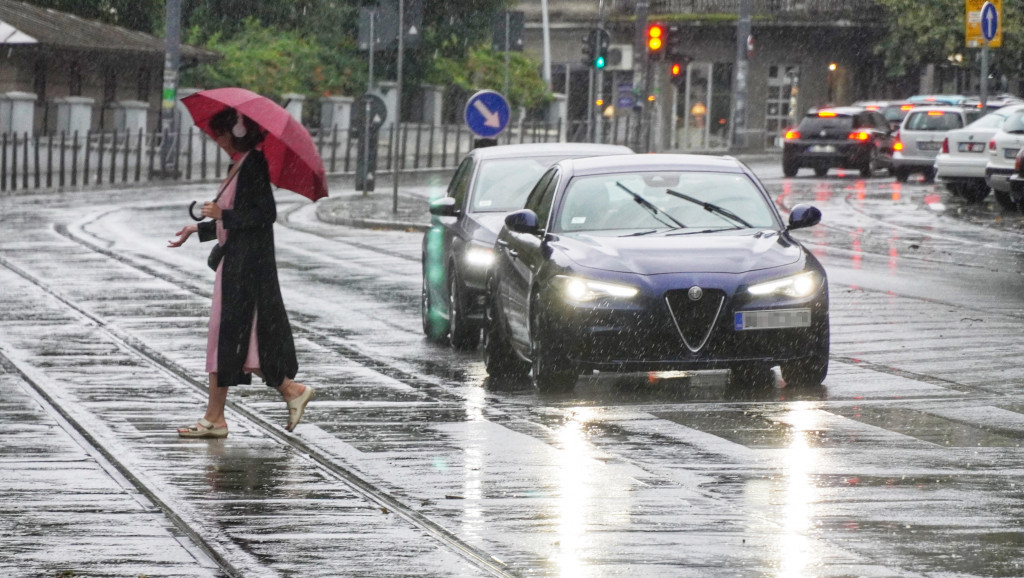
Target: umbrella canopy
291,155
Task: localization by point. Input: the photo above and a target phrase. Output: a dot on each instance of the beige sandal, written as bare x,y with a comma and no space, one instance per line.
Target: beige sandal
297,406
203,429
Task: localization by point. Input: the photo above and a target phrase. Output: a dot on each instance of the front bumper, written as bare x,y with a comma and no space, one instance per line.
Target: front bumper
644,335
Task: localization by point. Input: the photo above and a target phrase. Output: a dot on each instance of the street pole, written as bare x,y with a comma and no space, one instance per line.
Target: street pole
398,106
984,76
640,61
508,57
599,118
739,107
172,62
546,33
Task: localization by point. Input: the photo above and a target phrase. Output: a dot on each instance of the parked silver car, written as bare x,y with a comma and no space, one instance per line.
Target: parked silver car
920,137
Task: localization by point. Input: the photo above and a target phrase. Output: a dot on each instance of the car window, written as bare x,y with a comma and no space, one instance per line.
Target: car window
502,185
993,120
814,124
543,209
1014,123
933,120
880,121
608,202
460,182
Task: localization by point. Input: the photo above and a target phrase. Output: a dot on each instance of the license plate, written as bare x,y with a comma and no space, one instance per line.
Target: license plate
929,146
1011,153
773,319
971,147
821,149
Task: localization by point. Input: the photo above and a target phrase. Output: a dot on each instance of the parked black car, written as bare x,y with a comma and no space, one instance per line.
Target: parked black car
840,137
656,262
458,248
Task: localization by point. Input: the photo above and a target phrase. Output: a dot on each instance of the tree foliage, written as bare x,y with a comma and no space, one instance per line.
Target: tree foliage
484,68
921,32
142,15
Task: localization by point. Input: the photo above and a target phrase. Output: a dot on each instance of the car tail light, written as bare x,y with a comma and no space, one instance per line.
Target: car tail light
859,135
826,114
936,113
992,145
1019,163
792,134
945,146
906,107
897,145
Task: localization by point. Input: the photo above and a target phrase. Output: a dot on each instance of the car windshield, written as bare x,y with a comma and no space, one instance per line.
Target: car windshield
895,112
503,184
651,201
993,120
1014,123
813,124
933,120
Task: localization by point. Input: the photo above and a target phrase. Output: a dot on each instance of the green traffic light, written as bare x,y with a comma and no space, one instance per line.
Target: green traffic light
599,62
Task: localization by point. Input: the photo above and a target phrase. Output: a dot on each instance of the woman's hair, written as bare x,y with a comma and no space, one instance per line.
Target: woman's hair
225,121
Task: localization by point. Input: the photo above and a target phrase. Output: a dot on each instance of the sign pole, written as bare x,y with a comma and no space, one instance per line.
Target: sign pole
984,76
398,106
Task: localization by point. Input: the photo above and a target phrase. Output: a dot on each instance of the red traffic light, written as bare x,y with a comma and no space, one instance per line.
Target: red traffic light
655,37
676,69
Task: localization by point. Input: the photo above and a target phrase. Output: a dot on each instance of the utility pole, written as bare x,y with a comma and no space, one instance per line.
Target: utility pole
172,62
398,106
599,120
640,66
742,73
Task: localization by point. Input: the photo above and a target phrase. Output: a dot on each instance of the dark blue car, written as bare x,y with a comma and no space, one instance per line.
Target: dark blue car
655,262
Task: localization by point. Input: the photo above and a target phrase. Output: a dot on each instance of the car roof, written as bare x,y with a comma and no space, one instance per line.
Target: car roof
937,98
548,149
943,108
839,110
652,162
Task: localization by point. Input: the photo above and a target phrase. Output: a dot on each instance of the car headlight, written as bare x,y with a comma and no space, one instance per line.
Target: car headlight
801,285
480,257
579,289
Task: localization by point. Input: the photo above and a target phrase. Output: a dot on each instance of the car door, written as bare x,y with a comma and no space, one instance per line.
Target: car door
525,256
455,235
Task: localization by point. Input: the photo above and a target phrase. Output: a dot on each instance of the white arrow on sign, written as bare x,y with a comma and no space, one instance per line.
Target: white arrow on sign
491,119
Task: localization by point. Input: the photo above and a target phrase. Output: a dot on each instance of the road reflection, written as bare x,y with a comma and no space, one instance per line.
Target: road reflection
797,553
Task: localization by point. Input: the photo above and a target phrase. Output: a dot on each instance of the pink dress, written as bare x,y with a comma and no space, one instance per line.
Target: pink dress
252,360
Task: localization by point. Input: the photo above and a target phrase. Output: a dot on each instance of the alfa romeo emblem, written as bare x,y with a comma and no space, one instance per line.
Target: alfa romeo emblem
695,293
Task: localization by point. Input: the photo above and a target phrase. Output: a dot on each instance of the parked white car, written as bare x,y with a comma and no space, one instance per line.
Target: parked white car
1002,154
919,139
962,159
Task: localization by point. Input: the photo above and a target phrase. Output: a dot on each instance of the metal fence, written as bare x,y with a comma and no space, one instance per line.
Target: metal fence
55,161
858,10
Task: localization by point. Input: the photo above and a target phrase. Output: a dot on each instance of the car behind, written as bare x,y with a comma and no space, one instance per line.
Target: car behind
920,138
840,137
963,158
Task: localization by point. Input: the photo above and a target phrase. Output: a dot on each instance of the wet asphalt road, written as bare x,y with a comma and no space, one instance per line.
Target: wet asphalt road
411,462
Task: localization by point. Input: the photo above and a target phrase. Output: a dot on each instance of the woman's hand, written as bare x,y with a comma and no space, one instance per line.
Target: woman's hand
211,210
183,235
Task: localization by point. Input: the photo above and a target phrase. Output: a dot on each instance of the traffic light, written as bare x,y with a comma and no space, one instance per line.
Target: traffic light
595,48
677,69
656,38
601,42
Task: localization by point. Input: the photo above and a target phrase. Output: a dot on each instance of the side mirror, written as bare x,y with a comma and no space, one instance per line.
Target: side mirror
444,207
523,221
803,216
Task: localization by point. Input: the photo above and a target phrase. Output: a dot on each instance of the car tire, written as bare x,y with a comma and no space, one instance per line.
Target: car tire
956,189
901,175
461,334
809,371
929,175
552,370
499,357
790,168
752,375
433,327
974,192
820,171
1005,200
870,164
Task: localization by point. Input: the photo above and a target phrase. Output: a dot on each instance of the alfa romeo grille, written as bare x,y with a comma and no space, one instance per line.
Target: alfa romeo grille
694,319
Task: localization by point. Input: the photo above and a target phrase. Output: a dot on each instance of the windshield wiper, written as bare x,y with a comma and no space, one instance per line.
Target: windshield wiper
640,233
711,208
650,207
732,228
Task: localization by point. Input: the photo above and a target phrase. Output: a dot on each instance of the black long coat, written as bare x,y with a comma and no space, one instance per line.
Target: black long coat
249,281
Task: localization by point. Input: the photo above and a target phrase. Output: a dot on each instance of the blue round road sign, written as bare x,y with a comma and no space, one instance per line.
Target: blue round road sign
989,21
487,113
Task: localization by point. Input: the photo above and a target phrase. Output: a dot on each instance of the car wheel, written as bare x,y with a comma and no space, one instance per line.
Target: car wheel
752,375
1005,200
974,192
820,171
870,164
461,334
809,371
790,168
552,371
433,326
901,175
499,358
956,189
929,175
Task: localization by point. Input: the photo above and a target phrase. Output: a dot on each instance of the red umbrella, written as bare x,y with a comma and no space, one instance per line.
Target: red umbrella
291,155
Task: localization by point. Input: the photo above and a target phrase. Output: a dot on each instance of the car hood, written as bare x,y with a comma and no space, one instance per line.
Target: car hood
486,226
722,252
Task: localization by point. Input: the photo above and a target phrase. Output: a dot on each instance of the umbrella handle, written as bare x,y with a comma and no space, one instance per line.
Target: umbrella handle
192,214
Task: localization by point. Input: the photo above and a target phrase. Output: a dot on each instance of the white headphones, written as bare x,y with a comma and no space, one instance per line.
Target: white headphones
238,131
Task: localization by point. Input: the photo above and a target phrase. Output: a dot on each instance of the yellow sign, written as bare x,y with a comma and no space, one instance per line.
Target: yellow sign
973,36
